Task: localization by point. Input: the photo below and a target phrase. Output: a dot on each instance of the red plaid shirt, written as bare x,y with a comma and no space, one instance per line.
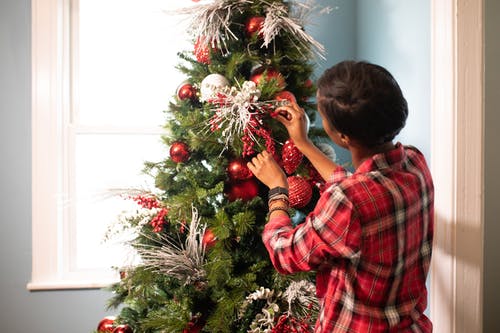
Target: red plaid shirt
369,239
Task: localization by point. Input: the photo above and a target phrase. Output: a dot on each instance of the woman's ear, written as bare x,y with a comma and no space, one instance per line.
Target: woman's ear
344,138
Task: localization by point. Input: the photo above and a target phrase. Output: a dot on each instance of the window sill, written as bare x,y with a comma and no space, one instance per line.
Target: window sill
65,285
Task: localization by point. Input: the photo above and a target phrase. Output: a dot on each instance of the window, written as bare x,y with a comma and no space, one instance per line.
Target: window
103,72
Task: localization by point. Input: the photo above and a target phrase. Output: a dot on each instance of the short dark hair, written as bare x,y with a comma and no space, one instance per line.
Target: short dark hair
363,101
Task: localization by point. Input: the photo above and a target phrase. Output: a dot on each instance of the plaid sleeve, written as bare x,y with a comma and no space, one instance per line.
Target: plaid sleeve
331,231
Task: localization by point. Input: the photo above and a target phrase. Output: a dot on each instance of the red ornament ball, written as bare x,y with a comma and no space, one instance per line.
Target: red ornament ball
186,91
107,324
285,95
209,239
238,170
266,75
254,24
291,156
201,51
299,191
192,328
315,179
245,190
202,48
179,152
123,329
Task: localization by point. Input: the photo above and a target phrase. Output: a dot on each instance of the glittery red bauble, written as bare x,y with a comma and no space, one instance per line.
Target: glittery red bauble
123,329
285,95
202,51
179,152
299,191
209,239
315,178
238,170
107,324
186,91
268,74
254,24
192,328
245,190
291,156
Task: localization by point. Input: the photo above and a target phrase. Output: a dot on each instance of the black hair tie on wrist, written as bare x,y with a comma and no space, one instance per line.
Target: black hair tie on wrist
277,191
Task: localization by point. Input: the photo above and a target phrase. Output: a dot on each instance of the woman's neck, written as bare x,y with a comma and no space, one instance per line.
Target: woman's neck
360,153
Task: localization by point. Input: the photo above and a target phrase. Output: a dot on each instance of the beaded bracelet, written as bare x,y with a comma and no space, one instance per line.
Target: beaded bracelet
282,197
282,208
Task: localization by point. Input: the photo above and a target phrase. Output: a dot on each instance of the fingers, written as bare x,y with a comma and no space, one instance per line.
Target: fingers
292,108
259,161
261,158
267,170
286,114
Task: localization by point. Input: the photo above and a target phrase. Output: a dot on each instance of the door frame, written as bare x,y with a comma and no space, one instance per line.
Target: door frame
457,164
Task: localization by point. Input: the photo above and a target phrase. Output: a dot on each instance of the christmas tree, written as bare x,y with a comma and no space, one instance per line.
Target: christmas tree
203,266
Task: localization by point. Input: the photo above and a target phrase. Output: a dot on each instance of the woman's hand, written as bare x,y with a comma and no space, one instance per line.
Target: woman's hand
293,117
267,170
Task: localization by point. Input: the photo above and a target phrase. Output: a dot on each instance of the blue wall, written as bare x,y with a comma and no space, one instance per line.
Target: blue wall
337,32
396,34
386,32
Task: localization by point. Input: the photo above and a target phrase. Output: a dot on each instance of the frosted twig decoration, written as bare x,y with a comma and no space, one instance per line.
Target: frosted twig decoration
238,111
184,262
301,297
264,321
278,19
210,23
235,110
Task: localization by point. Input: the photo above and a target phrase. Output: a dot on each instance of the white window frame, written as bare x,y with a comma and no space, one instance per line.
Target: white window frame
54,131
456,156
52,91
49,74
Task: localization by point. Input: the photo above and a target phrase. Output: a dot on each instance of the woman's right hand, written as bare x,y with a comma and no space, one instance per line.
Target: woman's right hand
267,170
293,117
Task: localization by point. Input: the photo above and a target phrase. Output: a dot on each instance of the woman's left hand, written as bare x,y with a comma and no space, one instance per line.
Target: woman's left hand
267,170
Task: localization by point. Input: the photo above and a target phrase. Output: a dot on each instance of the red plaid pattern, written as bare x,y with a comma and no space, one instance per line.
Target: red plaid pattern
369,239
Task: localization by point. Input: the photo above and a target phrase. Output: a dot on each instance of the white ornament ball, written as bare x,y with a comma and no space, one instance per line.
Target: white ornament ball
210,85
328,150
308,123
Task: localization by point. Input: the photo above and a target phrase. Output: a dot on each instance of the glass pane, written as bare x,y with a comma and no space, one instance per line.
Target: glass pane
106,165
127,53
